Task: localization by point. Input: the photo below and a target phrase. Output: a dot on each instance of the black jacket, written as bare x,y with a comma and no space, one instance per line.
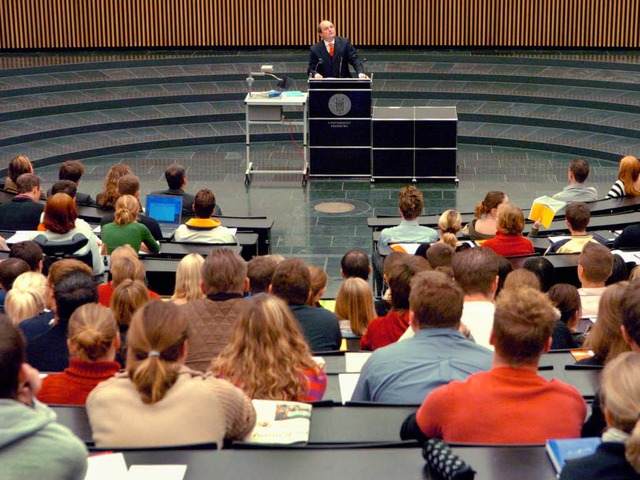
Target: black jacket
21,213
337,66
607,463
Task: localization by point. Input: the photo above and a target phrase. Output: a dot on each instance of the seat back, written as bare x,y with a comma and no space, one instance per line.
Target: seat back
55,251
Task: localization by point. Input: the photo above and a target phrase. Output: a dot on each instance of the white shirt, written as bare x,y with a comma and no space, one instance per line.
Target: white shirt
478,316
590,298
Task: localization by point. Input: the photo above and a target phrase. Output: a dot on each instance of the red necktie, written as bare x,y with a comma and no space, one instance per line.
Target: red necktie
331,49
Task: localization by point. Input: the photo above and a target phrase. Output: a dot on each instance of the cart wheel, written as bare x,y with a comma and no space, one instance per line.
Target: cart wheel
414,180
457,183
247,180
372,180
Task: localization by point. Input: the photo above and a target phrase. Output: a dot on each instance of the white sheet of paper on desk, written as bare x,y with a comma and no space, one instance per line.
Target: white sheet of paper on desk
156,472
628,256
106,466
348,383
292,93
22,236
353,361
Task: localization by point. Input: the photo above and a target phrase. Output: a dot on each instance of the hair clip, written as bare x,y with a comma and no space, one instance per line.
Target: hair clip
153,353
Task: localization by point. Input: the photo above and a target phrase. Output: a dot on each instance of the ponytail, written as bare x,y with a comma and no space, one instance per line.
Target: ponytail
480,210
92,329
127,209
153,377
491,200
156,341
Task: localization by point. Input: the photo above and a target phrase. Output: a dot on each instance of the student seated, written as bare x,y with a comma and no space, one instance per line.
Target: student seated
483,226
160,402
576,191
72,170
17,166
389,328
595,266
628,182
410,206
260,272
509,241
510,403
566,298
176,177
126,230
577,217
292,283
23,211
605,339
405,372
107,198
203,228
33,444
268,357
93,342
61,224
125,265
618,456
354,306
188,278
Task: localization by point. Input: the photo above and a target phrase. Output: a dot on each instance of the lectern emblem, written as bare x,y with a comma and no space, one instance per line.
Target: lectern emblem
339,104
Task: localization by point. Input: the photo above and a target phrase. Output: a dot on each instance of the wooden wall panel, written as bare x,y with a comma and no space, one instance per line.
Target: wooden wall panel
58,24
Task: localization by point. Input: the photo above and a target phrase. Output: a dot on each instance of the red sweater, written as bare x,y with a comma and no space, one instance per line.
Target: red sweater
105,291
73,385
383,331
503,405
509,245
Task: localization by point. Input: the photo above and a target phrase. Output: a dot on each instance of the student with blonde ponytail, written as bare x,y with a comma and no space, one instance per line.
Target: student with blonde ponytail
449,224
158,401
93,341
618,457
125,229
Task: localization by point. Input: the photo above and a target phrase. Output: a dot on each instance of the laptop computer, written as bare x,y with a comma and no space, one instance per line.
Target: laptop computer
167,210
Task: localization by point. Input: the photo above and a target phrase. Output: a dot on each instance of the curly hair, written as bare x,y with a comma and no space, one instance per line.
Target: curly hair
109,195
267,354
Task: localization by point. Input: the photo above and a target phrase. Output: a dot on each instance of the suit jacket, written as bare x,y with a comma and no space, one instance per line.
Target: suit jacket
337,66
187,201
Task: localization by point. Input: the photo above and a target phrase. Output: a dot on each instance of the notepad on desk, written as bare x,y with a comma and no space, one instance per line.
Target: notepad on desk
560,451
280,422
292,93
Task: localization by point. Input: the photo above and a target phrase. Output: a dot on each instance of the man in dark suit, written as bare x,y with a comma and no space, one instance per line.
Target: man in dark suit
23,211
73,170
331,56
176,177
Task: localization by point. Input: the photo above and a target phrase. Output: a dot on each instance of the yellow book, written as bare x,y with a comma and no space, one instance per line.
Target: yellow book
544,209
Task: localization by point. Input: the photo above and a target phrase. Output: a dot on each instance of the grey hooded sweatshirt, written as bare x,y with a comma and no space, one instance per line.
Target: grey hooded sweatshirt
34,445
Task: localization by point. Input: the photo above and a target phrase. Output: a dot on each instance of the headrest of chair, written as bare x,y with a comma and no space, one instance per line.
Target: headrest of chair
65,247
